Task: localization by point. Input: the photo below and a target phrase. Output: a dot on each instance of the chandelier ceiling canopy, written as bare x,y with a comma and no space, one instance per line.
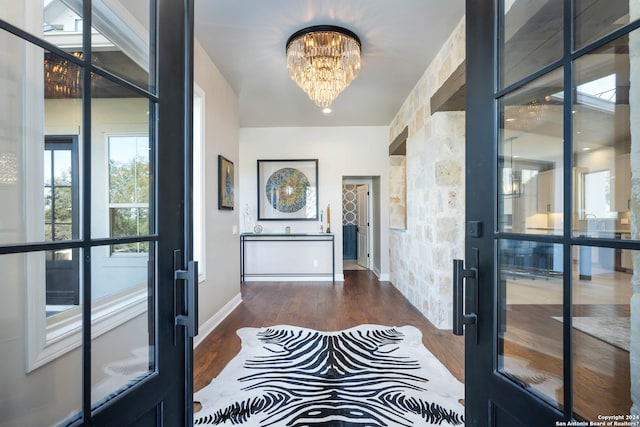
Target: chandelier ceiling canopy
323,60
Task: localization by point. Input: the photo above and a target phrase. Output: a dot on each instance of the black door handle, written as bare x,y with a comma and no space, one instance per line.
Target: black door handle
460,318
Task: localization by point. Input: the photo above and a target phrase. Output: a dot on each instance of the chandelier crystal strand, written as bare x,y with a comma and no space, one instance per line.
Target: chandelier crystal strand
323,63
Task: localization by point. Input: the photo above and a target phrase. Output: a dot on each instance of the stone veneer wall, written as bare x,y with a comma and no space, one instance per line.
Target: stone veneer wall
421,255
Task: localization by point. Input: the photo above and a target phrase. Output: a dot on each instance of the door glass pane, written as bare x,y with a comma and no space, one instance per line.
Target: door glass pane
62,77
38,394
52,20
530,344
123,44
62,167
531,37
38,97
61,213
597,18
530,163
602,325
602,140
123,321
62,281
63,24
121,170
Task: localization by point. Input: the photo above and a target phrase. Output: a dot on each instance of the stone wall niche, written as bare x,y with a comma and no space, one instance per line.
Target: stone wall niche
398,181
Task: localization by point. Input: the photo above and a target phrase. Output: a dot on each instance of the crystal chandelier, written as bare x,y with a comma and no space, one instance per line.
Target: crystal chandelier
62,78
323,60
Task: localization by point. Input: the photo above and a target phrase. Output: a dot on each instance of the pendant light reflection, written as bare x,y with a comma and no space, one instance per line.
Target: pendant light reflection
511,178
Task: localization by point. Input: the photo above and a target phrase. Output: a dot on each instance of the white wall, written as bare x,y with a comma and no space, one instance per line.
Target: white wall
341,152
221,127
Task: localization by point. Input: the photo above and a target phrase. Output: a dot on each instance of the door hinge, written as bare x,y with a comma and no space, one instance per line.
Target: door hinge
187,315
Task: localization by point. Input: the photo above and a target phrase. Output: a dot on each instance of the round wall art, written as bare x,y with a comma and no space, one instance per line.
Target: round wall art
286,190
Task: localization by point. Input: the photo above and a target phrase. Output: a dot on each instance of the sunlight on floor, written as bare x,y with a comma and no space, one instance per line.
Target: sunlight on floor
352,264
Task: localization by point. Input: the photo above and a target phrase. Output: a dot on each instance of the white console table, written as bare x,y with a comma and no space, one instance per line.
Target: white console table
295,255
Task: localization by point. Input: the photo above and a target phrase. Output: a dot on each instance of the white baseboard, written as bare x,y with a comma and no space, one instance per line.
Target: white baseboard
339,277
207,327
381,277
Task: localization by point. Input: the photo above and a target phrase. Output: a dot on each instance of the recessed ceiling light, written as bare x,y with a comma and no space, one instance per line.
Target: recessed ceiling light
510,120
586,149
326,110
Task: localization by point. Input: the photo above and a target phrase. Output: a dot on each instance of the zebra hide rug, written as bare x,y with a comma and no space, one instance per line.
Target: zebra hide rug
369,375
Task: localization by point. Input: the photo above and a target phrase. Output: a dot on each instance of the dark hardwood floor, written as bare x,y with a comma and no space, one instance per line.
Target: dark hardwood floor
601,371
361,298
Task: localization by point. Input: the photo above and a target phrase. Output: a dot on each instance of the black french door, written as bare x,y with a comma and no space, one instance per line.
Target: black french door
110,84
548,295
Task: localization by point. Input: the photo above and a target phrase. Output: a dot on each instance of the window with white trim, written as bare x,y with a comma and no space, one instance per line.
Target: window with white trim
128,191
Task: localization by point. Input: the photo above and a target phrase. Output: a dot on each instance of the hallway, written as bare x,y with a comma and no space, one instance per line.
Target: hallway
360,299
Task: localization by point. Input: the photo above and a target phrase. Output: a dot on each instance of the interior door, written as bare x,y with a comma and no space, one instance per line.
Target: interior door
118,75
363,225
543,296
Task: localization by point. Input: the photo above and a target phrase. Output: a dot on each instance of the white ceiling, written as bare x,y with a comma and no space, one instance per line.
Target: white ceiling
246,40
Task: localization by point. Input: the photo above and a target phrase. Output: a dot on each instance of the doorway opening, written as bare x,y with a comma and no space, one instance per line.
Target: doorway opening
358,224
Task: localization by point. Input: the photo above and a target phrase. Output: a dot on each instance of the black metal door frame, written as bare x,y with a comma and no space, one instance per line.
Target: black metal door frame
171,391
165,396
491,399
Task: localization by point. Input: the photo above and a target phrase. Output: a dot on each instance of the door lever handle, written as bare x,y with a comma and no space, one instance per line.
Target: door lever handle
460,274
185,314
190,319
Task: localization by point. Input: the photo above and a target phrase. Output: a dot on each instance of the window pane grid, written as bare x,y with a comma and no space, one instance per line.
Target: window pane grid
128,191
595,197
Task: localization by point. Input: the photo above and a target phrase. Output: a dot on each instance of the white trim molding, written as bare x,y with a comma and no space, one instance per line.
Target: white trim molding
381,277
210,324
62,333
257,278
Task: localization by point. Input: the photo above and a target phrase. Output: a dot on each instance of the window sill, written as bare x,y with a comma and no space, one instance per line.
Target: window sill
63,331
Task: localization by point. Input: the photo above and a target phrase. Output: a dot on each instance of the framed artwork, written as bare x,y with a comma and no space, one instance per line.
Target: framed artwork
225,183
288,189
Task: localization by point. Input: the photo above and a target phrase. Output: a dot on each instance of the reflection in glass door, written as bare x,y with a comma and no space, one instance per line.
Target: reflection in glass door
532,274
606,214
566,245
87,261
61,222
